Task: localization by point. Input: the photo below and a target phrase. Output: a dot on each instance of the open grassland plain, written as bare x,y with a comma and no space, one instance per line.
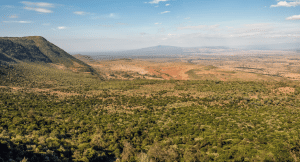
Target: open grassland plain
249,67
268,63
147,110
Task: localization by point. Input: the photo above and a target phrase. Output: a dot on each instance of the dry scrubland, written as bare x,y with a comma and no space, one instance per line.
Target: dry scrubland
241,65
218,108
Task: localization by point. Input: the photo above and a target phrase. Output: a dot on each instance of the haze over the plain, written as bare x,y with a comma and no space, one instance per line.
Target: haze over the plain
95,26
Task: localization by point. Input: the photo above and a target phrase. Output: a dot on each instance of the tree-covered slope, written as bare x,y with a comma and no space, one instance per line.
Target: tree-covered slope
37,49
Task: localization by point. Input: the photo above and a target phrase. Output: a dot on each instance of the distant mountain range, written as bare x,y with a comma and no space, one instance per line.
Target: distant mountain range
170,51
157,52
143,51
37,49
154,51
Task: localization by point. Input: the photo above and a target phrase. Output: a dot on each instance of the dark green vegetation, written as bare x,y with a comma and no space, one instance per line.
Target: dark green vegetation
53,115
192,74
37,49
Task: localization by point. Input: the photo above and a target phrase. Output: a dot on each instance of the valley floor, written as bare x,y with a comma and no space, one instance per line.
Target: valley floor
158,112
275,65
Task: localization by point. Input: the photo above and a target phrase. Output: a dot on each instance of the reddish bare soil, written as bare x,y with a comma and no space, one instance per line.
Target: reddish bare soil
157,69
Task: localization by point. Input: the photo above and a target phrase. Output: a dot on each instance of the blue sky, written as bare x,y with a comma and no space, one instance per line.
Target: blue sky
106,25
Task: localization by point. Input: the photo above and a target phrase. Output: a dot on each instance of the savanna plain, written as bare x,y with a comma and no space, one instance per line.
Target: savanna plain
214,107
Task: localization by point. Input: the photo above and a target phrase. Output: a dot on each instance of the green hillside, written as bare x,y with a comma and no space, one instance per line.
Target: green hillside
37,49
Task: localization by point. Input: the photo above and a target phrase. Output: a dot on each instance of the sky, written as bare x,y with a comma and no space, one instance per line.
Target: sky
114,25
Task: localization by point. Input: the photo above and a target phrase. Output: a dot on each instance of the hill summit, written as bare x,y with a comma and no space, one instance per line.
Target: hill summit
37,49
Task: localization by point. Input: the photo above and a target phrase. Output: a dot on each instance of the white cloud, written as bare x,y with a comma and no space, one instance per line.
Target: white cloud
107,16
200,27
295,17
157,23
38,4
156,6
13,16
112,15
42,10
157,1
24,22
287,4
61,27
8,6
253,30
165,12
80,13
20,22
240,35
187,18
167,4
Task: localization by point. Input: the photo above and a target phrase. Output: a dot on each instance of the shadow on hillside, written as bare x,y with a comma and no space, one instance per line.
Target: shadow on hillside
21,151
5,58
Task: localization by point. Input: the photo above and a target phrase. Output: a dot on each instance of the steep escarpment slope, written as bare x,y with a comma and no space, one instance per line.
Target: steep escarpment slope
37,49
10,51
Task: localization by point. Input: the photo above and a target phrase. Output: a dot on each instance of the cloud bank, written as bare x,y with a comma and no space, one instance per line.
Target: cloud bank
287,4
295,17
157,1
80,13
41,10
20,22
61,27
38,6
165,12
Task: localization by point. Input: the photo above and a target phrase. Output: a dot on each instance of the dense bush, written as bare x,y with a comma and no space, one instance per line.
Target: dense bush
95,120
